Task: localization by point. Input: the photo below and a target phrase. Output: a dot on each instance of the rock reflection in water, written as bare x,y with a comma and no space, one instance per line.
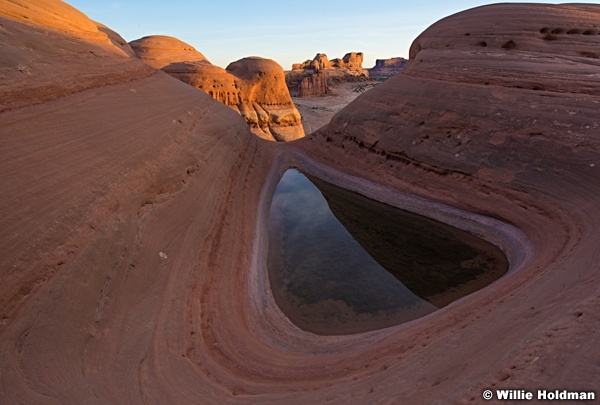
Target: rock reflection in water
340,263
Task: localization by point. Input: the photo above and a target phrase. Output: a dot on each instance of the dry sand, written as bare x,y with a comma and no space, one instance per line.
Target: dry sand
317,111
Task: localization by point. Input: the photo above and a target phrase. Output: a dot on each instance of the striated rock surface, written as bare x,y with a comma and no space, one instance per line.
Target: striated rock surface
133,212
116,39
386,68
469,87
254,87
315,77
313,85
42,42
56,15
497,114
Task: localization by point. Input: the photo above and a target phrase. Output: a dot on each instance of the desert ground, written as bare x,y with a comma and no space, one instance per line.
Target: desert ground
134,211
317,111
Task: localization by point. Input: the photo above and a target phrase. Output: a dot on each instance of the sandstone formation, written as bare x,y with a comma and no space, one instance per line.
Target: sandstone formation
133,214
254,87
386,68
497,114
54,15
67,40
315,77
159,51
351,62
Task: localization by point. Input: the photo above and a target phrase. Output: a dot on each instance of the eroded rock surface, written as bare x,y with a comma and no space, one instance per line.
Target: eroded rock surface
530,92
254,87
41,44
315,77
133,211
497,113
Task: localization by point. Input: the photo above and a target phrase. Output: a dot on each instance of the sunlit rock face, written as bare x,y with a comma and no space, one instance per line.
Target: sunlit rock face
43,43
55,15
159,51
488,100
314,77
351,63
254,87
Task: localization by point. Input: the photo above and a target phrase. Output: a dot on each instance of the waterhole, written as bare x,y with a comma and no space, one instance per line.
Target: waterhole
341,263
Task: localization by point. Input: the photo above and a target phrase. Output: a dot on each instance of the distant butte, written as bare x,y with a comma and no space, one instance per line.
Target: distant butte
386,68
254,87
314,77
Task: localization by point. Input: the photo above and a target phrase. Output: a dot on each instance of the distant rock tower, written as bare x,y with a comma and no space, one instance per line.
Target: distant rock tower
314,77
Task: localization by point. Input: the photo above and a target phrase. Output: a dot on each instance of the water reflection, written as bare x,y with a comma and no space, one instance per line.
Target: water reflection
340,263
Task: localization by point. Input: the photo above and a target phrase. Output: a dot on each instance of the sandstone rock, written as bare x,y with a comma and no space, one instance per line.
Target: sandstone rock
526,83
56,15
351,61
38,59
254,87
312,85
314,77
319,63
266,103
116,39
132,210
386,68
159,51
496,113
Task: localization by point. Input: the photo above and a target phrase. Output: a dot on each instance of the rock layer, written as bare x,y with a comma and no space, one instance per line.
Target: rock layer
519,94
42,42
502,119
254,87
133,214
315,77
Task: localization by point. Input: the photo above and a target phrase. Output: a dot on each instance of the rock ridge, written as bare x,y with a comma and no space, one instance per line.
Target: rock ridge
253,86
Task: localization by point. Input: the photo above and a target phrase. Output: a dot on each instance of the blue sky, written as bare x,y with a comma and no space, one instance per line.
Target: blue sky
286,31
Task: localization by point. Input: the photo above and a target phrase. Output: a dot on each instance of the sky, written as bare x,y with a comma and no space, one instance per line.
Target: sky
285,31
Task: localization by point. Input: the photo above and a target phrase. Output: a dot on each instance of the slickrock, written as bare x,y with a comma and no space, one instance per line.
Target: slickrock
56,15
497,114
133,211
531,88
37,59
254,87
315,77
159,51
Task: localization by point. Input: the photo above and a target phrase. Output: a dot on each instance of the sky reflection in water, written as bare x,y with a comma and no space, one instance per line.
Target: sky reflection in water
321,276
